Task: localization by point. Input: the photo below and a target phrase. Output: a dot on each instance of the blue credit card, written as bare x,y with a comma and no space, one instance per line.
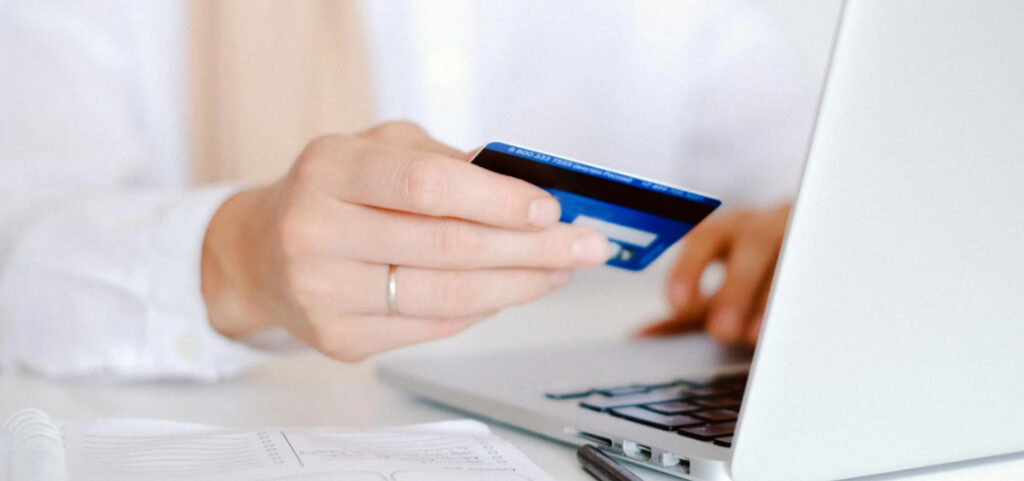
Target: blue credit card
640,217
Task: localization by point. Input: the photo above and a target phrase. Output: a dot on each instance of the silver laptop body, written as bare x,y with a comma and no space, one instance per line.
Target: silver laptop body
894,338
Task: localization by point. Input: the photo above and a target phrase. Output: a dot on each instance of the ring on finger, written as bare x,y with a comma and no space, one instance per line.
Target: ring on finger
392,289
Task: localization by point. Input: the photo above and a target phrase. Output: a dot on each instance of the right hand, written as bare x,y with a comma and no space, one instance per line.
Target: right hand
748,243
310,253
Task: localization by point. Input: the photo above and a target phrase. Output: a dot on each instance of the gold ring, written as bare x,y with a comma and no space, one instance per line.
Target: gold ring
392,289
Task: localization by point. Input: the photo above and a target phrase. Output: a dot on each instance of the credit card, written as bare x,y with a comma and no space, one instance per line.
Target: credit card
640,217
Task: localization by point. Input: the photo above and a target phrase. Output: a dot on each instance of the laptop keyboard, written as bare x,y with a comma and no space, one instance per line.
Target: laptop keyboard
703,410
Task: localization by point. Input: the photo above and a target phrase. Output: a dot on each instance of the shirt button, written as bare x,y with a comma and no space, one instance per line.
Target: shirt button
189,347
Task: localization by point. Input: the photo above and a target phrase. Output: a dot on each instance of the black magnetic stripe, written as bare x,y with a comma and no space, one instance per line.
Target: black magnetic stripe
546,175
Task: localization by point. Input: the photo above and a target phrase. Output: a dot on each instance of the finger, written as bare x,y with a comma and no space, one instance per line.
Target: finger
354,338
749,266
434,293
403,133
332,289
687,320
367,173
428,293
391,237
706,243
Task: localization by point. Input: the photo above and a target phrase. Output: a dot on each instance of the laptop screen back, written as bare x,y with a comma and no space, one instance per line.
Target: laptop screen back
895,332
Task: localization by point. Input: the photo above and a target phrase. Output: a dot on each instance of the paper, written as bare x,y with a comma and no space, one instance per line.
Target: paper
127,449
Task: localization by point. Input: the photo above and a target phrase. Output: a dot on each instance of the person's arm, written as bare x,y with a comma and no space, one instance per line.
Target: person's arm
106,284
109,283
104,274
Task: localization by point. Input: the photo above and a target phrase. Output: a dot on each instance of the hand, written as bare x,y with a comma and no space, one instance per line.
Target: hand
748,243
310,253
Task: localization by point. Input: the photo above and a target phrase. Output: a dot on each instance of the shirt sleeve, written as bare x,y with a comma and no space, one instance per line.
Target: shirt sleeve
100,243
108,285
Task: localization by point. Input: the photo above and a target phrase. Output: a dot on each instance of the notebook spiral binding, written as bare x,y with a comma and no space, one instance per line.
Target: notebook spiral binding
34,447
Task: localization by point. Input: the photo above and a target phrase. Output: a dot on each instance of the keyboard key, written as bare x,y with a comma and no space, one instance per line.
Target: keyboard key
719,403
622,391
716,415
730,379
726,441
653,419
559,396
711,391
708,432
672,407
694,382
666,385
604,403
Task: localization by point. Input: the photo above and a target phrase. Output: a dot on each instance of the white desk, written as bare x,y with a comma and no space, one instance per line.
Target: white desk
309,390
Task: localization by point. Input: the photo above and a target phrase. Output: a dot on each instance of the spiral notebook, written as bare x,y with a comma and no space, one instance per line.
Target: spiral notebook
35,448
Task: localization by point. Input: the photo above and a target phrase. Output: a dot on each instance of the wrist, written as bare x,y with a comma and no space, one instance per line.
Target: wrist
230,277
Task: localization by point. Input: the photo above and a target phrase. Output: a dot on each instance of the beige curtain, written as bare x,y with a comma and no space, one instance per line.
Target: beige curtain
268,75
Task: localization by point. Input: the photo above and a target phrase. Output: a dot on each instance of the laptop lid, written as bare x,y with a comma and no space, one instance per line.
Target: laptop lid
894,337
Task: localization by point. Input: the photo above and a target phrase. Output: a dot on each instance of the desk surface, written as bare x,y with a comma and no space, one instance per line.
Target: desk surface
309,390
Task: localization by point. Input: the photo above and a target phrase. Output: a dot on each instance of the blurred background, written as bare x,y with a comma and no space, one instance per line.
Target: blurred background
716,95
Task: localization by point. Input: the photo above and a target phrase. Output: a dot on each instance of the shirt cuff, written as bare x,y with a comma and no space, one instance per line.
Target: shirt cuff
181,342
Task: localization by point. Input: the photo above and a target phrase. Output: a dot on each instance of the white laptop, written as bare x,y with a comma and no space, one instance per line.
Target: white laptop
894,337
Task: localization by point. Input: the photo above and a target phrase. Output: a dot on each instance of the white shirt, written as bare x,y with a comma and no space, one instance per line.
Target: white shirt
100,236
100,243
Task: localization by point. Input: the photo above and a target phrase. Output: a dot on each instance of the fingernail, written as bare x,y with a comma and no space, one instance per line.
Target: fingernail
560,277
725,324
679,295
590,249
544,212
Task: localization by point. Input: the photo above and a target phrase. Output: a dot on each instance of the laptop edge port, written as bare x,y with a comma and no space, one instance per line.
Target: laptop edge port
594,438
669,460
635,450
